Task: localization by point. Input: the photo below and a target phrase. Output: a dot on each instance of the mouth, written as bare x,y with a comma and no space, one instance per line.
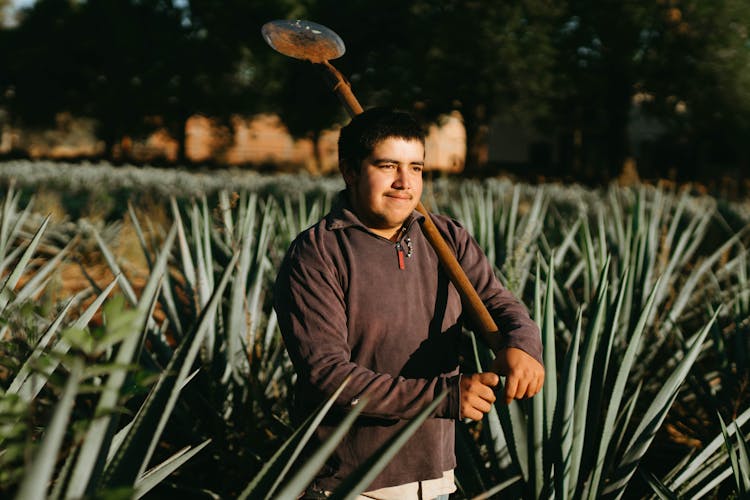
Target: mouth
399,196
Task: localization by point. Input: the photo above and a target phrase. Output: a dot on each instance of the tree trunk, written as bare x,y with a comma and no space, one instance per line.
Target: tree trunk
108,137
618,147
318,163
477,133
181,138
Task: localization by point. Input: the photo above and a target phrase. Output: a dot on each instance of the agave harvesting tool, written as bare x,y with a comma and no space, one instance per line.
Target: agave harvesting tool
318,44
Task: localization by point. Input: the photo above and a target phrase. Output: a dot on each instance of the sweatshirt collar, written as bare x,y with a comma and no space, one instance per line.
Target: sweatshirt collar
342,215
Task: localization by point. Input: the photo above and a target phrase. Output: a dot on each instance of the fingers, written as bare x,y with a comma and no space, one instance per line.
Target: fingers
511,388
488,378
524,378
475,412
477,395
523,384
524,375
539,383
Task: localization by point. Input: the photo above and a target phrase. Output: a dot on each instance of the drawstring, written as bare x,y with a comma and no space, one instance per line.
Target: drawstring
400,251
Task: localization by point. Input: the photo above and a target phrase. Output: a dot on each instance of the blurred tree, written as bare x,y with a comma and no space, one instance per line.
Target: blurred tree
258,80
307,105
112,60
138,64
603,47
36,58
570,67
488,59
698,83
130,61
432,57
4,6
684,62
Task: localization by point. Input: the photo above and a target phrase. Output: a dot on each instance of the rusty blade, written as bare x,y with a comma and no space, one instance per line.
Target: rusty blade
303,40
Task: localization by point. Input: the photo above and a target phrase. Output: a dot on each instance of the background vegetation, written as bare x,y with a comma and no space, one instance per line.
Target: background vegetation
141,356
139,352
578,71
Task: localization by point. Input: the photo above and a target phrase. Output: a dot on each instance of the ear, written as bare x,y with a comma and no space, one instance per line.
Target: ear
349,174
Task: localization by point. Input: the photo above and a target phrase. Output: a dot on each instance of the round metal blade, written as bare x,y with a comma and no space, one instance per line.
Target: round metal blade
303,40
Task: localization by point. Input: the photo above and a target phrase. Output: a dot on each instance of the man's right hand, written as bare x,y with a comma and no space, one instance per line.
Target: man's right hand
477,395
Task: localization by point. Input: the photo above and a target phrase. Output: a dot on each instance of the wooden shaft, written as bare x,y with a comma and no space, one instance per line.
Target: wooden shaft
342,89
469,296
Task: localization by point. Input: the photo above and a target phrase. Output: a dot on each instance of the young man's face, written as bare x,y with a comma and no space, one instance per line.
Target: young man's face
388,186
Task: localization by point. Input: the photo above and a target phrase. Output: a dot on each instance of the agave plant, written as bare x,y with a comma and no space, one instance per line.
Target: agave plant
238,396
578,437
275,481
97,448
630,286
631,289
702,472
98,361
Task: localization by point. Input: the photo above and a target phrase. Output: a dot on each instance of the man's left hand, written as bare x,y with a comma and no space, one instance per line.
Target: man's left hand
524,375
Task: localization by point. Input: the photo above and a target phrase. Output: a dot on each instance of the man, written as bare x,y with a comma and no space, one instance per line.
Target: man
361,295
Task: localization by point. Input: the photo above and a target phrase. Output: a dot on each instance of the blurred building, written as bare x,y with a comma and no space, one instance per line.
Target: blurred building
261,141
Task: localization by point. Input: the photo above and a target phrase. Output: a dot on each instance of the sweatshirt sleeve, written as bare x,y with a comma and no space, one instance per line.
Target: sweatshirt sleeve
311,310
515,326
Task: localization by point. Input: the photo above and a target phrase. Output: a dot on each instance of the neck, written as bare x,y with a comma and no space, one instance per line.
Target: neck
389,234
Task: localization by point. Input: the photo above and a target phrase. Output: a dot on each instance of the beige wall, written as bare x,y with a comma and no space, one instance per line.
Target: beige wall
262,139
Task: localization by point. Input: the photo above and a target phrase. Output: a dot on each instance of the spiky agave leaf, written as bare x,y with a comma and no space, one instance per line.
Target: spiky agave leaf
653,417
269,478
6,290
39,473
28,384
131,460
695,471
360,478
157,474
95,447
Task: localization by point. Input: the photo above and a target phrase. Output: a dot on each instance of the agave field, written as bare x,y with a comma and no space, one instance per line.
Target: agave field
141,356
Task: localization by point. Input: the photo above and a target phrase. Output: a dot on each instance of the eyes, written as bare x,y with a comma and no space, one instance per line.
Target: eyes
391,166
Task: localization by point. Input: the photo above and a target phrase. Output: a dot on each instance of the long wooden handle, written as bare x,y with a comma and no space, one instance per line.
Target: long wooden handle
469,295
341,88
456,274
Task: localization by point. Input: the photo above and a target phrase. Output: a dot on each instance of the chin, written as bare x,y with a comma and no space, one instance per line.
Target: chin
398,220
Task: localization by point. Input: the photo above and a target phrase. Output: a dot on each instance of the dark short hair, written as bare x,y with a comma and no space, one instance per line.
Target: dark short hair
366,130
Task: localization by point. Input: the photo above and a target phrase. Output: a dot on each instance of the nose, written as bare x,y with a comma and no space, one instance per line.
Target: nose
401,180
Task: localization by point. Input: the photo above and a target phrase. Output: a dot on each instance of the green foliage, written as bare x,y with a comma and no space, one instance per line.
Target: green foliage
738,459
96,342
84,358
636,291
579,72
621,278
704,472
